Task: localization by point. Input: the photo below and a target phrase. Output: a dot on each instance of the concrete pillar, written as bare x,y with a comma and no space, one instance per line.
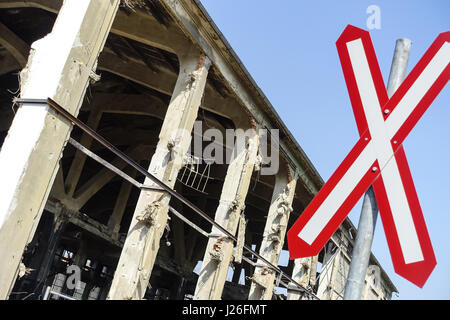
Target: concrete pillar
150,216
274,234
76,167
328,275
121,204
304,273
59,67
219,250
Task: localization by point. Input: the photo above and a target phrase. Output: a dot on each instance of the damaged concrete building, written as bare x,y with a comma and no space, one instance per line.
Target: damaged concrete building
140,74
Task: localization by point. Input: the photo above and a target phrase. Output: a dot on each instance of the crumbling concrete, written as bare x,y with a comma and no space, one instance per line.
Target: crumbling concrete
150,217
59,67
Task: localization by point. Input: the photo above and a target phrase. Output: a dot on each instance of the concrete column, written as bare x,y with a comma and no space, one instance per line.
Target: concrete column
334,275
274,234
76,167
328,276
304,272
59,67
121,204
150,216
219,250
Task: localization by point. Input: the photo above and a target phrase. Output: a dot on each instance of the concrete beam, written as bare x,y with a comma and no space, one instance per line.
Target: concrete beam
219,250
15,46
274,234
304,272
85,222
121,204
58,190
139,104
76,167
97,181
143,28
7,64
59,67
164,82
136,104
197,25
48,5
329,274
137,25
150,217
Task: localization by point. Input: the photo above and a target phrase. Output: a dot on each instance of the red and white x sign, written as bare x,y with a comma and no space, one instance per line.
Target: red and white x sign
378,157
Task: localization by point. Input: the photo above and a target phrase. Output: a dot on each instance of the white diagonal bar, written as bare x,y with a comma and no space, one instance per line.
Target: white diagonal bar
338,195
420,87
380,148
401,212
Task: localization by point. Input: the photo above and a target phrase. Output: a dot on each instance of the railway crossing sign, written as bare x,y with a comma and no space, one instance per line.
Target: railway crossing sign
378,158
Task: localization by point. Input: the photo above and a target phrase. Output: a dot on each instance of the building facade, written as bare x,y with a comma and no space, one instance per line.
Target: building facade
151,77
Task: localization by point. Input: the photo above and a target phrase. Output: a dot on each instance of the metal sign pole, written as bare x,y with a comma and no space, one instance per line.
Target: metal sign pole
369,212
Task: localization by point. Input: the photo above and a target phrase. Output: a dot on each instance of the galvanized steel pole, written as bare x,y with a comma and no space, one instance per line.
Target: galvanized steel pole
369,212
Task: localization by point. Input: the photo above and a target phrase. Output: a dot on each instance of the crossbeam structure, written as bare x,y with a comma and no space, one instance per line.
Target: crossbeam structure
162,66
158,185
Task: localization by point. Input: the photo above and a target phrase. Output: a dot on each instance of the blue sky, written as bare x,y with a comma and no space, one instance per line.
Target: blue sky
289,48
